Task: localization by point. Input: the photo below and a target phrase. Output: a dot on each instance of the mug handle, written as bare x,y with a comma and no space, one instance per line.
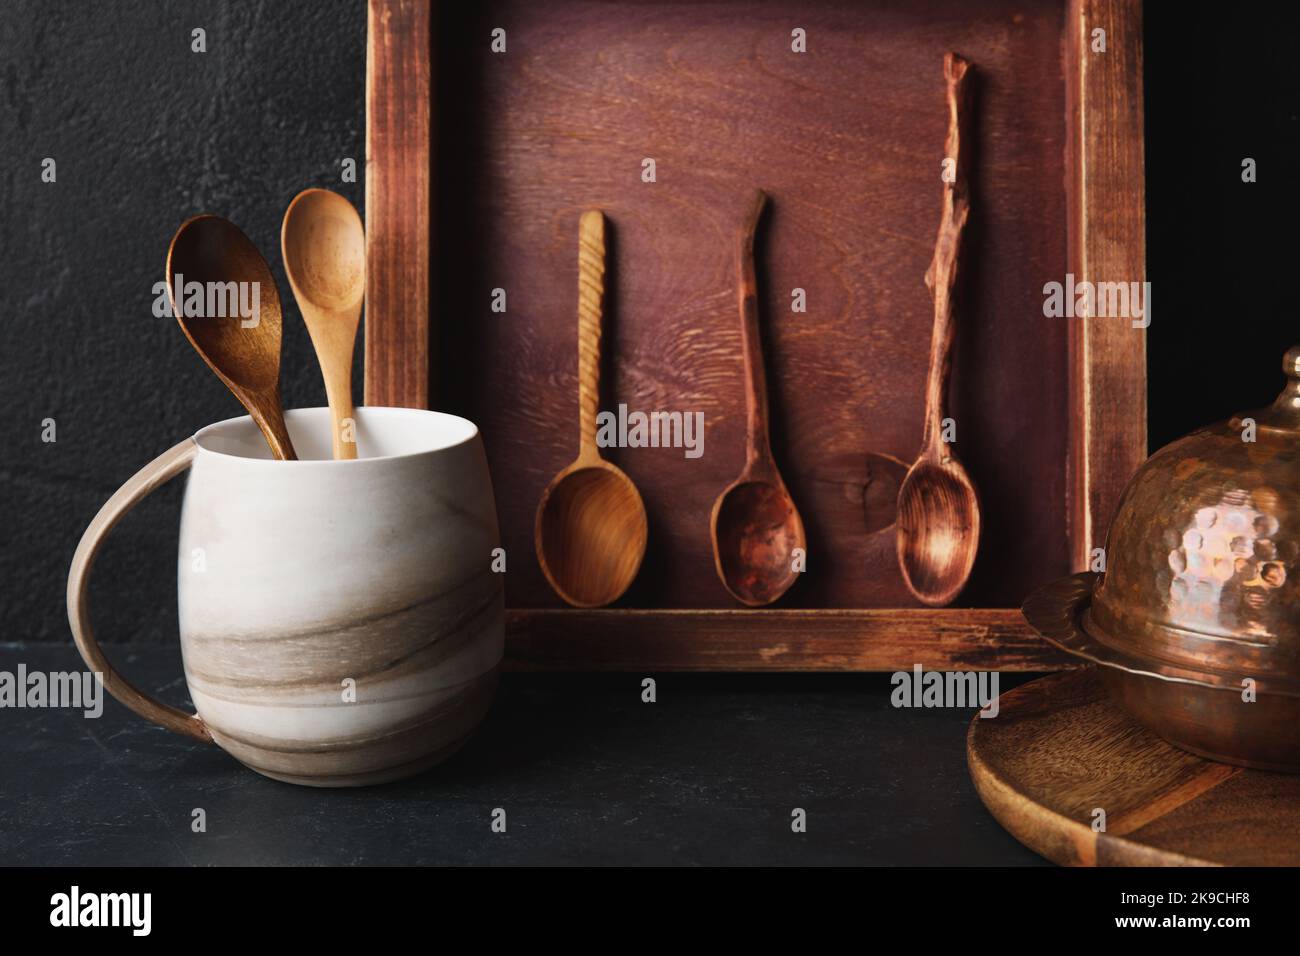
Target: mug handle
158,472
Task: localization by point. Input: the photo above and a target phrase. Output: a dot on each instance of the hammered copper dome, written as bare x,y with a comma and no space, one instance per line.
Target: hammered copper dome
1197,617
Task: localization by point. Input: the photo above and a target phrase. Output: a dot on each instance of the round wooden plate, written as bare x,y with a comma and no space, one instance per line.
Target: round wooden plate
1058,752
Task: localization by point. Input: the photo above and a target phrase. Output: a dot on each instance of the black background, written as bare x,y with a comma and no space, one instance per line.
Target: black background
146,133
1221,86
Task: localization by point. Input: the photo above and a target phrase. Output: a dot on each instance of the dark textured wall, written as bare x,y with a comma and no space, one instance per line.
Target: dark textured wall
145,133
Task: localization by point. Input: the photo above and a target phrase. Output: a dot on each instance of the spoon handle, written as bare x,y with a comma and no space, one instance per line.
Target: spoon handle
266,410
338,392
941,277
591,297
334,338
758,445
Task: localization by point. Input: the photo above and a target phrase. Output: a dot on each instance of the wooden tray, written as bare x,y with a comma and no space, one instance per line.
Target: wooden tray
847,139
1059,749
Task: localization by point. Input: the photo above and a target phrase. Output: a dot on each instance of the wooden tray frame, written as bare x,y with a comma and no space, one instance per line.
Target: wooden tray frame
1107,360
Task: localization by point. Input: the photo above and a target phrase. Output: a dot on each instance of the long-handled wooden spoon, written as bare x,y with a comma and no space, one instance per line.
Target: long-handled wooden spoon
755,525
324,248
938,510
591,523
243,351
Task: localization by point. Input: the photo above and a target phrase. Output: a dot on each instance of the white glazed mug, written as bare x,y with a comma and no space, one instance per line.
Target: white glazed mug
341,623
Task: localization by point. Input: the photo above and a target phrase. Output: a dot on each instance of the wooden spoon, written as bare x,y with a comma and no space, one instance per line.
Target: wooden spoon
755,525
245,354
324,247
591,523
938,510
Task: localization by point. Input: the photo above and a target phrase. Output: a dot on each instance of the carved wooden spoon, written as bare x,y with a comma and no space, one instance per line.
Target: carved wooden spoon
755,525
938,510
591,525
244,352
324,247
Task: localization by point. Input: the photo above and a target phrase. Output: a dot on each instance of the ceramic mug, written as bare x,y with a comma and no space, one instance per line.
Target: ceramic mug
341,623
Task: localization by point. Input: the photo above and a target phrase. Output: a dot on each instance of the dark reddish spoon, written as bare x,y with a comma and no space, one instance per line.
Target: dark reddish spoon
755,524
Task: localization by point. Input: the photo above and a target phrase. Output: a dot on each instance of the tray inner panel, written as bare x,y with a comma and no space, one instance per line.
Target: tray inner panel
847,139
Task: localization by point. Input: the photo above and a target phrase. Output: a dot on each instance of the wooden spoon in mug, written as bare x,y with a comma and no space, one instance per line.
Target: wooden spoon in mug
324,247
755,525
244,352
591,523
938,510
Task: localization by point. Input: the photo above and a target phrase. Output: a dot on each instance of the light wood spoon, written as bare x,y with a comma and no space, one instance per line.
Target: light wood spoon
246,357
938,509
324,247
590,532
754,523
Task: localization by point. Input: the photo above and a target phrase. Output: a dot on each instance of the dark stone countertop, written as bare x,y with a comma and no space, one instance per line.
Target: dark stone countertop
586,772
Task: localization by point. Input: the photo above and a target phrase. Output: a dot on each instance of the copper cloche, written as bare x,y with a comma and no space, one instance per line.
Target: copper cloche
1196,621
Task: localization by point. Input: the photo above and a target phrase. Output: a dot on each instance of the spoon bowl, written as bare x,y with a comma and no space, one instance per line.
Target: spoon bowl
324,246
243,351
756,528
938,520
591,533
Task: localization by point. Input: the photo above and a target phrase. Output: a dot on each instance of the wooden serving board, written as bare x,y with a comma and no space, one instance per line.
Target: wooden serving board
1058,751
